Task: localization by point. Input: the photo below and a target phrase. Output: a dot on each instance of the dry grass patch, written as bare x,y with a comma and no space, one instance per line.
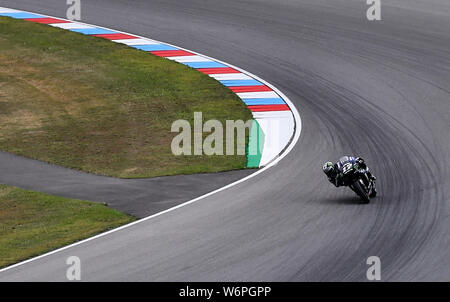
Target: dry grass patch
33,223
86,103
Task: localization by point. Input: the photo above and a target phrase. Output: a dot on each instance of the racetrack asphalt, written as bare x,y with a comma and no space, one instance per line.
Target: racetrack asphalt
380,90
137,197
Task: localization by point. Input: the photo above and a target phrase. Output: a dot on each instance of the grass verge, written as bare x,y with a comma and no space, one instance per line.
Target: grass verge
90,104
33,223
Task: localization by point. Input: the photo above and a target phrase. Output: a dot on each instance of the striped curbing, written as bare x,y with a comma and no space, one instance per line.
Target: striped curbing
274,124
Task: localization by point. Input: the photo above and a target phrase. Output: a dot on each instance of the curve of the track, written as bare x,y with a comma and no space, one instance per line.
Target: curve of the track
376,89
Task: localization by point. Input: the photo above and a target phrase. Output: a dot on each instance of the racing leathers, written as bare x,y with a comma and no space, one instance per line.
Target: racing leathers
334,175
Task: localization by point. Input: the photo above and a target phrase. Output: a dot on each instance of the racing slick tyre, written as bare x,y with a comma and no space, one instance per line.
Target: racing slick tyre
361,192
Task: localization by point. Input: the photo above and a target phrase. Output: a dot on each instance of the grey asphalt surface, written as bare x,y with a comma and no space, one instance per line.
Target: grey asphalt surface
380,90
137,197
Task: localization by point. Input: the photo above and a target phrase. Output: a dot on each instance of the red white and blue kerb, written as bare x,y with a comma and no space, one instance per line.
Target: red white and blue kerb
266,105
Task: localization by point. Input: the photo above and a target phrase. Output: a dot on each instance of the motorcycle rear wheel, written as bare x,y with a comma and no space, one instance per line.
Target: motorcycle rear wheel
361,192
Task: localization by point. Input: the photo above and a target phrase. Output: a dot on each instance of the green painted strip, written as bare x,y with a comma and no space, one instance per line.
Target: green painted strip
255,145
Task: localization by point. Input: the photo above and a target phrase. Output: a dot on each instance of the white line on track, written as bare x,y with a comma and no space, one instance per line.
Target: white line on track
191,59
9,10
258,95
136,41
71,25
230,76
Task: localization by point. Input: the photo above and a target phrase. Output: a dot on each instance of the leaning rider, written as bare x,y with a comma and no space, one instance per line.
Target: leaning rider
332,171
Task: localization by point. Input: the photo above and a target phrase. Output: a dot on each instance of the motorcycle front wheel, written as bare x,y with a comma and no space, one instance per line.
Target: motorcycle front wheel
361,192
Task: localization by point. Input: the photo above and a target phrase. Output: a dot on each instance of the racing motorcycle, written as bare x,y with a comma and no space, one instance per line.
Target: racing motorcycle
357,180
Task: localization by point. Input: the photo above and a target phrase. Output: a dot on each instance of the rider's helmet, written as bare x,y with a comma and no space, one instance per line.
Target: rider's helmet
328,168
